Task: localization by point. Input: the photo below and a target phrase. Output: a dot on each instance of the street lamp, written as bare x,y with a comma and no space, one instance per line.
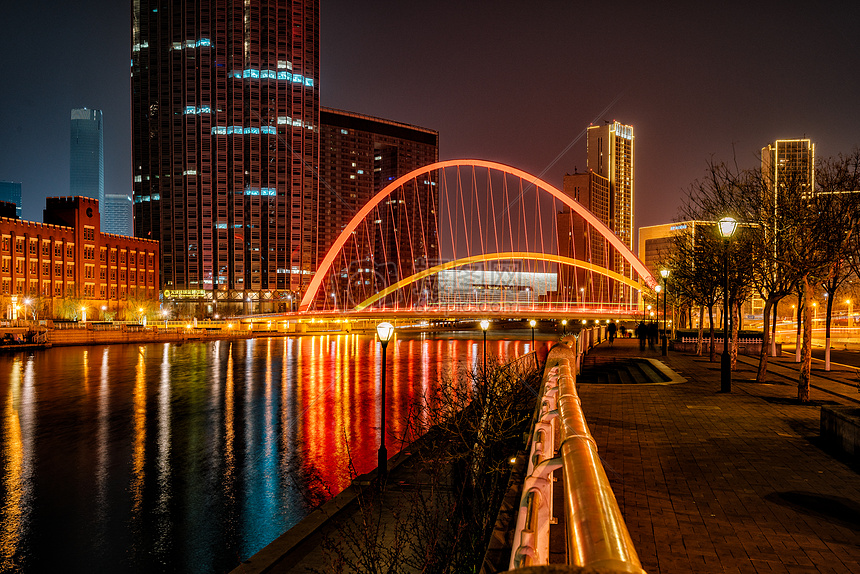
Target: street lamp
664,273
485,324
727,227
564,326
384,331
532,323
582,296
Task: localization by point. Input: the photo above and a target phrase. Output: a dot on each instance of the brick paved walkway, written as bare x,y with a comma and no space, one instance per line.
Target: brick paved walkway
712,482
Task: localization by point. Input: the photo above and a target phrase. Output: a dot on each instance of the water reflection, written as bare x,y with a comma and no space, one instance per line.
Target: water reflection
190,457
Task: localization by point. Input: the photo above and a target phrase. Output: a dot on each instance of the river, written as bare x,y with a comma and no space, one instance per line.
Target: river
191,457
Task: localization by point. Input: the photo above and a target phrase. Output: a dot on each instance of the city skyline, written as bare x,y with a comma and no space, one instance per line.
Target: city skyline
514,87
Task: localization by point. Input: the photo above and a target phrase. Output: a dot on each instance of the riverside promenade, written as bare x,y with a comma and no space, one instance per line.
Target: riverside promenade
740,482
707,482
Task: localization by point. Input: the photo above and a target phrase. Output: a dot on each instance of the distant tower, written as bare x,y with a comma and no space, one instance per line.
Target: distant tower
87,166
790,163
610,154
11,191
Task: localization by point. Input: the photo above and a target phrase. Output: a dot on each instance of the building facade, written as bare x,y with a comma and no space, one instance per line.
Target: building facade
789,164
225,128
67,263
10,191
117,214
87,155
610,153
359,156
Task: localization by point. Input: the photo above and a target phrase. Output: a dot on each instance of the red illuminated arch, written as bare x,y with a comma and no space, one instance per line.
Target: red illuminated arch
610,236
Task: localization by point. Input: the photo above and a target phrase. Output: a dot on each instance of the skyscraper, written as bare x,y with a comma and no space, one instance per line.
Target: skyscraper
11,191
610,154
87,160
361,155
789,163
225,113
116,216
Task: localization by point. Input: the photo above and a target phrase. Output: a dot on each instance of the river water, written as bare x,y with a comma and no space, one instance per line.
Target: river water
191,457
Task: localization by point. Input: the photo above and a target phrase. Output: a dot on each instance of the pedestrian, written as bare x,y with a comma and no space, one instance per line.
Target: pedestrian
642,333
611,328
652,336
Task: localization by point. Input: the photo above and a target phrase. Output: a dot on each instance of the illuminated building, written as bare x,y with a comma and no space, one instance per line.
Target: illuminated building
87,154
225,146
607,190
610,154
68,261
11,191
790,163
359,156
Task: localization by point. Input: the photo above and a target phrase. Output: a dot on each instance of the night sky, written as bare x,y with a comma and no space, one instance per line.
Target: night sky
514,82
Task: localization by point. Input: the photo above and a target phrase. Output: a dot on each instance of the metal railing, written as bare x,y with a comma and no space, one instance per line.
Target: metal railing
597,536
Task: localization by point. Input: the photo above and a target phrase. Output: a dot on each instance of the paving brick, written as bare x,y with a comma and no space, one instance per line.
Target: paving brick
713,482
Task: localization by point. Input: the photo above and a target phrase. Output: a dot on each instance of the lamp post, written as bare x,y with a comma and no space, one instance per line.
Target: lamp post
384,331
582,296
664,273
532,324
485,324
564,327
727,227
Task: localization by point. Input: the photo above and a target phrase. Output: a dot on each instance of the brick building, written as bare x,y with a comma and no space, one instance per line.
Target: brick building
66,264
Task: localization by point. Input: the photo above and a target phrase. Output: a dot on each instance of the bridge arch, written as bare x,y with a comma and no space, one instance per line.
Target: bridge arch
590,218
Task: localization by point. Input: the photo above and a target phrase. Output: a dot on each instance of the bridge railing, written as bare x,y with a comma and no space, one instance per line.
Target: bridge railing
597,536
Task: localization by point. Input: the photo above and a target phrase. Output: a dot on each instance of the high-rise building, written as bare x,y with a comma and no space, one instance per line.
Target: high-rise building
790,163
360,156
225,128
11,191
87,160
117,214
610,152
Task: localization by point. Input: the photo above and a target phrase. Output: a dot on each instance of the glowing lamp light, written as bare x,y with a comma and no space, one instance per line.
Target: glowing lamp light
664,273
384,331
584,321
564,321
532,323
513,460
485,324
727,225
658,288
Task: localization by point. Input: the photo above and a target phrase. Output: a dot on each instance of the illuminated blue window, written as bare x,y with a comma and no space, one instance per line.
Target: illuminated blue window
285,76
271,130
220,226
298,79
156,196
360,172
309,82
203,42
190,110
345,132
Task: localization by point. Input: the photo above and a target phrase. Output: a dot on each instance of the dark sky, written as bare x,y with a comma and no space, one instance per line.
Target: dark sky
514,82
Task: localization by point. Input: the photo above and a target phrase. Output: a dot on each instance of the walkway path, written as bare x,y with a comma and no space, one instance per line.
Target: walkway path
713,482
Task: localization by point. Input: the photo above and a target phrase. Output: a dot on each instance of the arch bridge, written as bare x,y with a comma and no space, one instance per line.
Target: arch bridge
474,238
